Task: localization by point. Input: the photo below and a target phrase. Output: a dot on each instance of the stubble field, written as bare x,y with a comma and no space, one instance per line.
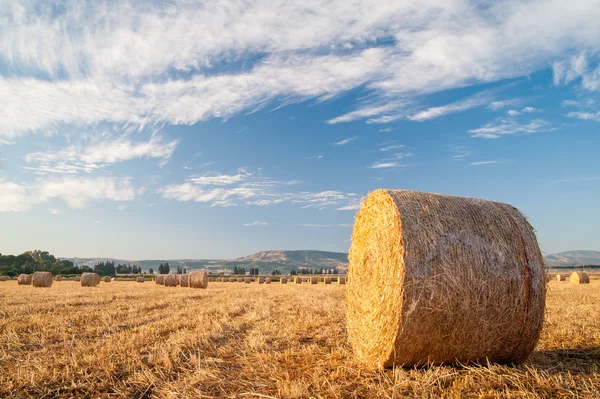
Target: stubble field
130,340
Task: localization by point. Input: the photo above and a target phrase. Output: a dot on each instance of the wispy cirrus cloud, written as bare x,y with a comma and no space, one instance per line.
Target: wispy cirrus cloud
505,127
255,223
346,141
574,179
595,116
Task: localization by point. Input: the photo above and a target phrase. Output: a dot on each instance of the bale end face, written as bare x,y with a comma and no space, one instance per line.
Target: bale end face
198,280
90,280
579,278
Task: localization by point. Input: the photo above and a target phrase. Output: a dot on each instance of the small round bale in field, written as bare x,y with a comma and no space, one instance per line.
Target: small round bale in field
171,280
24,279
240,280
58,278
90,280
247,280
184,280
579,278
283,280
107,279
198,280
314,280
298,280
77,278
267,280
140,279
261,280
341,280
160,279
327,280
41,279
4,278
437,279
561,277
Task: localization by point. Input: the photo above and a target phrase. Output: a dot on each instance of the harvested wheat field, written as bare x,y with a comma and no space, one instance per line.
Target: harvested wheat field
126,340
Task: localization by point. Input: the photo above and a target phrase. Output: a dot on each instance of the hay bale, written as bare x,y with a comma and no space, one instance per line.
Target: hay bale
341,280
327,280
41,279
171,280
314,280
579,278
267,280
24,279
90,280
247,280
58,278
184,280
4,278
298,280
160,279
283,280
198,279
561,277
240,280
77,278
441,279
140,279
261,280
107,279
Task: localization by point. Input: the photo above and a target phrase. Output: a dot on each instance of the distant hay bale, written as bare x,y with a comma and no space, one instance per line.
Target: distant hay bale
160,279
341,280
140,279
41,279
579,278
247,280
58,278
77,278
90,280
314,280
4,278
171,280
240,280
327,280
561,277
436,279
267,280
24,279
261,280
283,280
184,280
198,280
298,280
211,280
107,279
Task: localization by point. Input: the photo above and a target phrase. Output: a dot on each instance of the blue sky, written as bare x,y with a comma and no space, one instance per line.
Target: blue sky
214,130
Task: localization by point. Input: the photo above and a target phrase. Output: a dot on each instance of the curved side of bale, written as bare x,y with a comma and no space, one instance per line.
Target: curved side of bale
268,280
198,280
314,280
160,279
341,280
283,280
90,280
327,280
107,279
140,279
407,246
58,278
24,279
41,279
247,280
261,280
171,280
184,280
240,280
4,278
579,278
298,280
561,277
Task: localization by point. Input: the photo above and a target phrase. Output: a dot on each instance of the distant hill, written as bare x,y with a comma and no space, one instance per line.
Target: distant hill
573,258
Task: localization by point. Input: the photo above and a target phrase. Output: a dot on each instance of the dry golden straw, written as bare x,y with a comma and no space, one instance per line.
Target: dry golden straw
327,280
268,280
77,278
90,279
579,278
171,280
283,280
298,280
261,280
160,279
58,278
240,280
341,280
561,277
41,279
140,279
439,279
184,280
247,280
314,280
198,279
107,279
24,279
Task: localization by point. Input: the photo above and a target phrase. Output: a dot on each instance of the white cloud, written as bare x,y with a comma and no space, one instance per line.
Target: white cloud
54,211
577,67
526,110
386,130
502,127
349,207
496,105
512,112
255,223
459,152
595,116
385,165
484,163
90,157
575,179
76,192
346,141
569,103
458,106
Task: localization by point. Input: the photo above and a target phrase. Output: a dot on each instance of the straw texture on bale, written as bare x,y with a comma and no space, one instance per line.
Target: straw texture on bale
90,279
171,280
561,277
327,280
4,278
341,280
24,279
314,280
198,279
107,279
261,280
58,278
267,280
436,279
247,280
240,280
184,280
77,278
283,280
41,279
298,280
140,279
579,278
160,279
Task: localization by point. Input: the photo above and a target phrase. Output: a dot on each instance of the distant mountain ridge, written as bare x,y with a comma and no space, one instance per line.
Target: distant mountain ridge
267,261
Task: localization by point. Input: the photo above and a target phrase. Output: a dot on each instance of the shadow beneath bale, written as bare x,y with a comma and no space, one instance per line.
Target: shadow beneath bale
557,361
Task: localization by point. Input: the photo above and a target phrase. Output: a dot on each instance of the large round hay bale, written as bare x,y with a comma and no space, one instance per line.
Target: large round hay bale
184,280
24,279
267,280
298,280
171,280
160,279
198,279
261,280
341,280
90,280
579,278
561,277
41,279
440,279
314,280
140,279
327,280
283,280
107,279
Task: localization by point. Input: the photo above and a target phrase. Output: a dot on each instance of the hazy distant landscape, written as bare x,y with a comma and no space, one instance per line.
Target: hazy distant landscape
285,261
